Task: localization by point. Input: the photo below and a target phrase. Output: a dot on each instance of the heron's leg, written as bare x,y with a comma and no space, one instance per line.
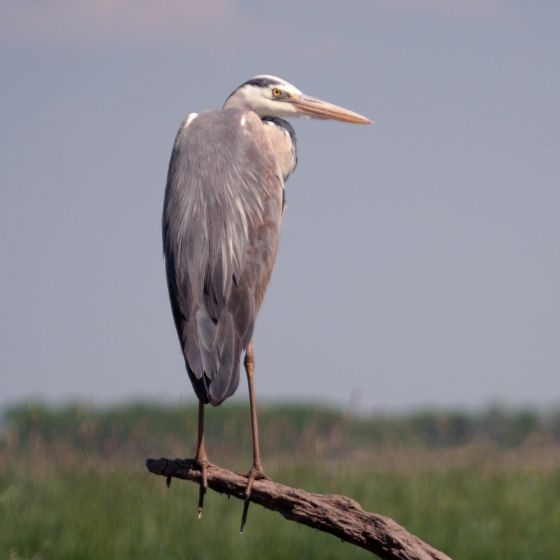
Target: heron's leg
256,471
201,458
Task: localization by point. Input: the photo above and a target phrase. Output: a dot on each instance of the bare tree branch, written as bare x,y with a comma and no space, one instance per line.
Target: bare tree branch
337,515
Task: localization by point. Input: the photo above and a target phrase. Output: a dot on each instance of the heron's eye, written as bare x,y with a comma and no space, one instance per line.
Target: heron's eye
276,92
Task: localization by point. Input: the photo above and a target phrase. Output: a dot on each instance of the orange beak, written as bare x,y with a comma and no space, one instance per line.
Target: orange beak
318,109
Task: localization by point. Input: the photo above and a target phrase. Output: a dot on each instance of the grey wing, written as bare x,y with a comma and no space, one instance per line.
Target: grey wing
221,226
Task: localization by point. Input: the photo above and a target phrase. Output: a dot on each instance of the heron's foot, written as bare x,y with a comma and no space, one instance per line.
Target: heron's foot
256,473
202,464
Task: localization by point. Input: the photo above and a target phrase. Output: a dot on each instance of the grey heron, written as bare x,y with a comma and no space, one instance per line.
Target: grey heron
222,212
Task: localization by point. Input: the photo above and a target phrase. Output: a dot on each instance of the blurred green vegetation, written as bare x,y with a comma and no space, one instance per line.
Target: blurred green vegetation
309,429
477,485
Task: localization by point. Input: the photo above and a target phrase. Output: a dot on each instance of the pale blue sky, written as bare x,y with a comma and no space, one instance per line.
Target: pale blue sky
420,258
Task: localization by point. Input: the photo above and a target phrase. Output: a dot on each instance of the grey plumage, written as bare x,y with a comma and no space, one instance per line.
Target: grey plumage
221,227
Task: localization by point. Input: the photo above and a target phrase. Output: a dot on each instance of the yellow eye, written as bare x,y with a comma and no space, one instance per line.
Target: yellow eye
276,92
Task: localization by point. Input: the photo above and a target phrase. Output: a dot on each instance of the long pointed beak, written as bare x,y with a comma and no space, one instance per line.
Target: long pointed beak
318,109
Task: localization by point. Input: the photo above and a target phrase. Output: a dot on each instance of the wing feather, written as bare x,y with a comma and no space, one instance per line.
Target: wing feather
221,226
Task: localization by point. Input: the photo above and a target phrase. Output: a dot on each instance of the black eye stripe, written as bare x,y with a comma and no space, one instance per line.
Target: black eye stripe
262,82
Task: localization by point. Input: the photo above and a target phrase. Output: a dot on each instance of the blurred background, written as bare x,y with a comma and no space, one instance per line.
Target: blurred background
407,353
420,259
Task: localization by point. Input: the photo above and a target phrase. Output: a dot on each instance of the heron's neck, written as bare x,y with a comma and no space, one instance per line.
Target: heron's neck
282,138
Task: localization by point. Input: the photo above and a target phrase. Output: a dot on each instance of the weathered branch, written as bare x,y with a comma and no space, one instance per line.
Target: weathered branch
337,515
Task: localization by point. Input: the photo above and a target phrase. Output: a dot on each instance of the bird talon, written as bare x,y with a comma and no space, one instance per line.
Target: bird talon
203,485
256,473
244,514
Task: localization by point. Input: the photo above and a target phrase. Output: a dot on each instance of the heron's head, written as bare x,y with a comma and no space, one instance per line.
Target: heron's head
270,96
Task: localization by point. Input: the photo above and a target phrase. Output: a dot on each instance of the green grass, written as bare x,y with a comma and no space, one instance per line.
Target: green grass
479,509
477,486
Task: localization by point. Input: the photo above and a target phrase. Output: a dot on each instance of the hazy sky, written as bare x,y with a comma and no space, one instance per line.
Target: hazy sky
420,257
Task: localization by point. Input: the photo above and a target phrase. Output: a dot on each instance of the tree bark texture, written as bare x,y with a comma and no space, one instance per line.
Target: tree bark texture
338,515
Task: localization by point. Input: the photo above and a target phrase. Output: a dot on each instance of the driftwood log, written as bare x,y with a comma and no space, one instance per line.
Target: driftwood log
337,515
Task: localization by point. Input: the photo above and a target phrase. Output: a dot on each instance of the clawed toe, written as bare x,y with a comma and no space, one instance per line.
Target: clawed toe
203,466
256,473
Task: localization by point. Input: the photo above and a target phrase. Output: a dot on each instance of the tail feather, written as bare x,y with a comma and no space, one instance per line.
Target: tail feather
212,352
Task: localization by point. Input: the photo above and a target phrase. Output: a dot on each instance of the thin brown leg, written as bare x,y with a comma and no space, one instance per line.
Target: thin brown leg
201,459
256,471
